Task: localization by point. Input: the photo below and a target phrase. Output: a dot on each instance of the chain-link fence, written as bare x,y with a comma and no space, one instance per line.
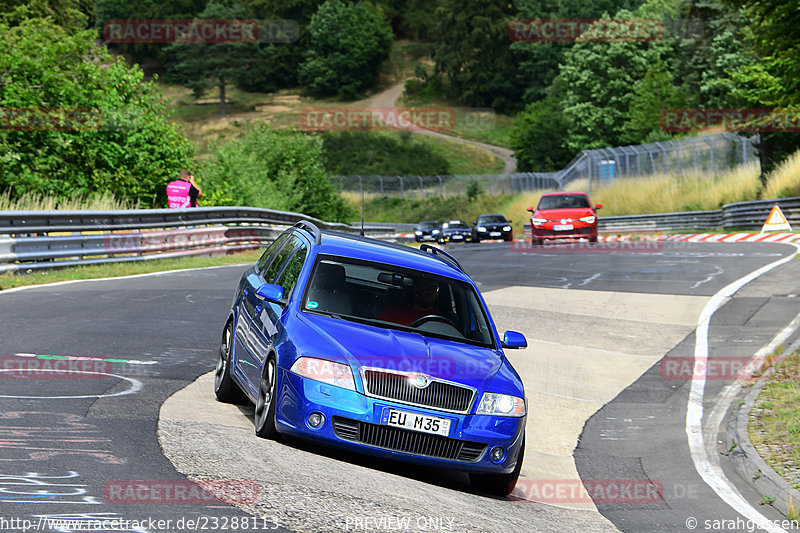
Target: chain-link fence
705,154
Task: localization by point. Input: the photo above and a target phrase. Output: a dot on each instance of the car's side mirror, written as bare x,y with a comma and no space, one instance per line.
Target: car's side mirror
598,206
531,209
271,292
514,340
510,221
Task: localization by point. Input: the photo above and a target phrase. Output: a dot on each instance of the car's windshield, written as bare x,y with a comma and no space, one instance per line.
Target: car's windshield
564,201
428,224
454,224
398,298
488,219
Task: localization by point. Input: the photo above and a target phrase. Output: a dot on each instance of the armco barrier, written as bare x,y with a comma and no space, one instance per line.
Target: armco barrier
47,239
741,215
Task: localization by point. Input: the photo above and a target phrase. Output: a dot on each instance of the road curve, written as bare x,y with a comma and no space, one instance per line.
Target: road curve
173,322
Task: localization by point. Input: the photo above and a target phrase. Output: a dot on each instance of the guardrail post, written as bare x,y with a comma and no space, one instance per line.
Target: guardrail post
441,186
380,181
402,190
421,186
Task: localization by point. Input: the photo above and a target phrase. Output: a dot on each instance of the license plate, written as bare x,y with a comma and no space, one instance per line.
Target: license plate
562,227
494,234
416,422
457,237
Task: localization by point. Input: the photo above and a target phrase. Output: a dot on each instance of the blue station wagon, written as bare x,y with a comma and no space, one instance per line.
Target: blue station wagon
378,348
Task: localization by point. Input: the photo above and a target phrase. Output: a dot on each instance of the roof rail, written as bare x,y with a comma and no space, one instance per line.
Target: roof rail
447,258
311,228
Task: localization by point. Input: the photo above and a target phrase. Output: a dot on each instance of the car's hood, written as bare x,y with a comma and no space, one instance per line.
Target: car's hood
494,225
457,230
556,214
367,346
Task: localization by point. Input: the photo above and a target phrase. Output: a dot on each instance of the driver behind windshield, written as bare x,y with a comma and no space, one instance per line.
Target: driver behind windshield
425,291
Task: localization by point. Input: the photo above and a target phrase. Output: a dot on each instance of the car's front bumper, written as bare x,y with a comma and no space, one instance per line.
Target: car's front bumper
493,234
455,237
358,428
579,231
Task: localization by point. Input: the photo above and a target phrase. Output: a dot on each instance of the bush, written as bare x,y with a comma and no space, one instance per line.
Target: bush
274,170
370,154
127,146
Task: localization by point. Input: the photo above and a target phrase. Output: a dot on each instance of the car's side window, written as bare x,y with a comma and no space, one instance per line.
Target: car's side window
270,251
276,264
288,278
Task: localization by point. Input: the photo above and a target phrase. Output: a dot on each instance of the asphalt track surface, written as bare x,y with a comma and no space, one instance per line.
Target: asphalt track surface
61,454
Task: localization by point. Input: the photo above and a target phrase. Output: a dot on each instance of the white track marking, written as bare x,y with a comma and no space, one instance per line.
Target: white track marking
713,474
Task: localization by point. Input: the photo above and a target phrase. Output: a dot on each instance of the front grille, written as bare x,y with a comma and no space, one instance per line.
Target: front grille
407,441
437,395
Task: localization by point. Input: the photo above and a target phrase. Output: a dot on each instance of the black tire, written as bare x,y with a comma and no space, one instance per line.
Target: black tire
499,484
509,238
536,242
225,388
476,239
593,239
264,416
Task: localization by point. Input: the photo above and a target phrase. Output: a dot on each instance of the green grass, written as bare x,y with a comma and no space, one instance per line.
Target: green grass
10,280
483,125
778,424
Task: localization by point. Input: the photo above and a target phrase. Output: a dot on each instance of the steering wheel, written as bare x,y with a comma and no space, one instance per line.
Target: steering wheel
427,318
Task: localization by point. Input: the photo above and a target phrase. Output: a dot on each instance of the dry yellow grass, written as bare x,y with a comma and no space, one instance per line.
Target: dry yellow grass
657,194
785,180
669,193
42,202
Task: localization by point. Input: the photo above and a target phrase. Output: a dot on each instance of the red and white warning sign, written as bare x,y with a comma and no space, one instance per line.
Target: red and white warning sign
776,221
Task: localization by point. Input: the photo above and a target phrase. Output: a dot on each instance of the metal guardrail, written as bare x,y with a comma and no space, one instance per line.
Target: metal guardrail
743,215
740,215
49,239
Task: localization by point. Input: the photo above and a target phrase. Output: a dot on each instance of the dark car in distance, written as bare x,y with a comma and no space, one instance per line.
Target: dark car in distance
426,231
493,226
454,231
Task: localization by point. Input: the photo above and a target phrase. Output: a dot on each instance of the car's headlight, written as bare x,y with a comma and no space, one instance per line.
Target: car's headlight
588,220
481,228
418,232
506,228
435,232
325,371
501,404
539,220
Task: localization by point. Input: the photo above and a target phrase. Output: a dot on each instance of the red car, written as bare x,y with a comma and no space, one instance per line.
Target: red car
564,215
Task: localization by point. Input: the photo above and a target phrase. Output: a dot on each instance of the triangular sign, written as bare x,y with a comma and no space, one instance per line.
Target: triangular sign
776,221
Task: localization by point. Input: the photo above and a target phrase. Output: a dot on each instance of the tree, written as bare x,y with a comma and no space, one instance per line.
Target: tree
539,61
539,138
273,169
201,66
109,131
348,43
471,51
653,93
71,15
